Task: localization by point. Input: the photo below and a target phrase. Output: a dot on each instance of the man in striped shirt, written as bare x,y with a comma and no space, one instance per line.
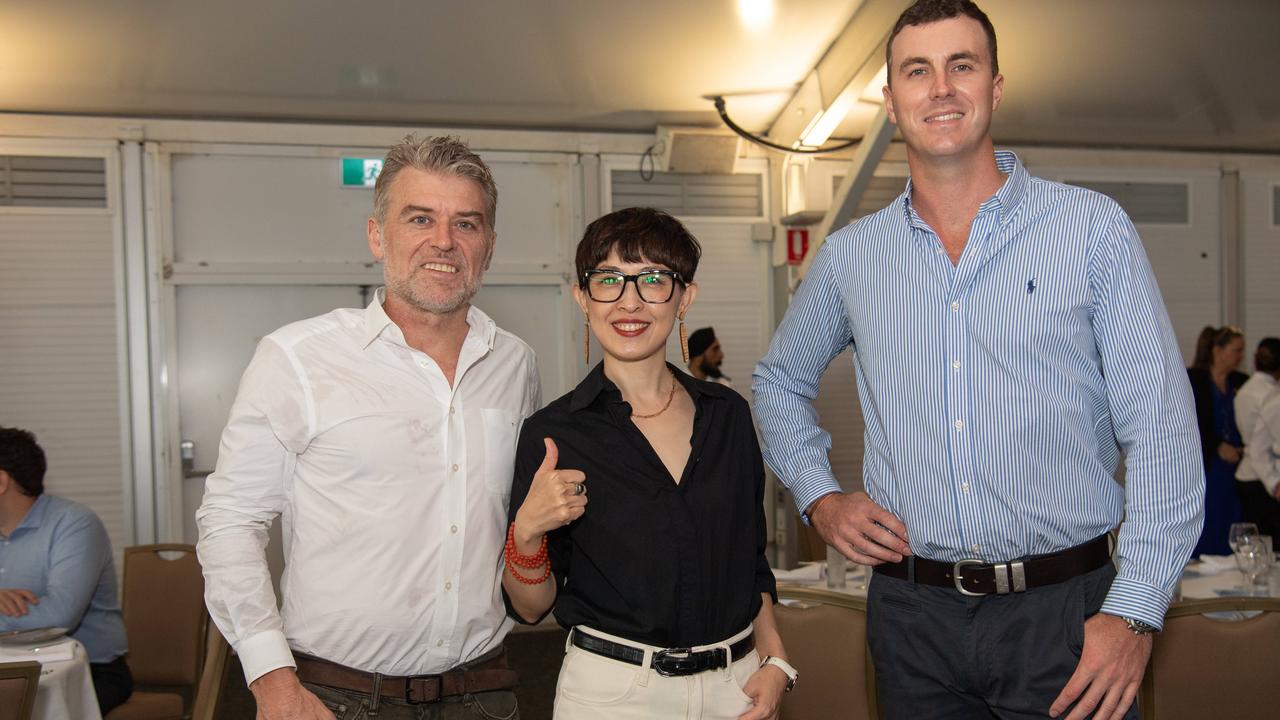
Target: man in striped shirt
1009,341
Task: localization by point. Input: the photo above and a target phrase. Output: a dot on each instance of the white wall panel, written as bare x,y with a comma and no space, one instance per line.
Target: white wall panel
1261,257
59,354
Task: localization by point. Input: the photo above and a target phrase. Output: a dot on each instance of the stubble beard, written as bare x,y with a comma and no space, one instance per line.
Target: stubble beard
405,289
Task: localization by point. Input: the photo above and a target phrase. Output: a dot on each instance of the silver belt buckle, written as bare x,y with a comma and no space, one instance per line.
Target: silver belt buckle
955,576
1002,573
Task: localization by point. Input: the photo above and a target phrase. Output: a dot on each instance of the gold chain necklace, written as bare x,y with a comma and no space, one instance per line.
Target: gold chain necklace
670,396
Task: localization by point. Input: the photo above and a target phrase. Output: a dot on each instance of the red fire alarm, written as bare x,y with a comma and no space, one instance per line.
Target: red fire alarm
797,245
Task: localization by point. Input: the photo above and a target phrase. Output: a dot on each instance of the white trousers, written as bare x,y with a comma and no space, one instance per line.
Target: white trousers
593,686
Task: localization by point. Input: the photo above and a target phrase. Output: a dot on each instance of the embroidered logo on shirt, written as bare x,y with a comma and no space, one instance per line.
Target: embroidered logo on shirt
1031,286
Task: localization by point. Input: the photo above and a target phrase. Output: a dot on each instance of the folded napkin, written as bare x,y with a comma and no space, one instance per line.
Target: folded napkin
59,650
807,572
1210,564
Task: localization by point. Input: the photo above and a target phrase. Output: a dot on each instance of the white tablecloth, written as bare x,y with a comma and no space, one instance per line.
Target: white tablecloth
66,687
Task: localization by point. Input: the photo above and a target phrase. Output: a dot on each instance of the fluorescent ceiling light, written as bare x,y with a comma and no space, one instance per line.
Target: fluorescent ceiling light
756,14
825,122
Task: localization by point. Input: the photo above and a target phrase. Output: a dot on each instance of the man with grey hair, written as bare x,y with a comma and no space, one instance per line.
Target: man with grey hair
384,439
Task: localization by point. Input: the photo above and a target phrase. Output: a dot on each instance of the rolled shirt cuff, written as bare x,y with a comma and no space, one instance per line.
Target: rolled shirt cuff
1138,600
809,487
262,653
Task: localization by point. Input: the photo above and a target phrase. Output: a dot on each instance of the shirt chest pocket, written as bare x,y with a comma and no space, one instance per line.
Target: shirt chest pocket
501,427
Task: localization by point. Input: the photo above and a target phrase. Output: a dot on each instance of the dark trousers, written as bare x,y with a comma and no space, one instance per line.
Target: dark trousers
940,654
1260,507
112,683
349,705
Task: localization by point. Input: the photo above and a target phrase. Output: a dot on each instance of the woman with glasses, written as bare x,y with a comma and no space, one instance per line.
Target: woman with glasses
1215,380
637,507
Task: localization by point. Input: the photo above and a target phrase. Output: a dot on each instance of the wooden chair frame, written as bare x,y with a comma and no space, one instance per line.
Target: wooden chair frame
30,671
1183,608
202,637
830,597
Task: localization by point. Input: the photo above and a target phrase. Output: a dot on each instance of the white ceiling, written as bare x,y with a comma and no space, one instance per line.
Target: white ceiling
1134,73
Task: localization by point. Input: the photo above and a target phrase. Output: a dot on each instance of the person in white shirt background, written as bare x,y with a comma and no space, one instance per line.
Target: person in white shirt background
1258,417
384,438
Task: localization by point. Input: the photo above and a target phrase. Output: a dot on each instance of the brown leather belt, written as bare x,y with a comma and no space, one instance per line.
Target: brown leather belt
975,577
484,675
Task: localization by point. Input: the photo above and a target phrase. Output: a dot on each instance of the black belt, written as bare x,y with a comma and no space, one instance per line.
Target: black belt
975,577
672,662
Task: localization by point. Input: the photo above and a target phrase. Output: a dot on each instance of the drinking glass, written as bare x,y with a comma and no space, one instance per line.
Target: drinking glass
1239,533
836,565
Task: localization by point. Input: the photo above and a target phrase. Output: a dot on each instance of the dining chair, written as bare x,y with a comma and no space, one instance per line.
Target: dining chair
217,659
166,621
1215,658
825,634
18,682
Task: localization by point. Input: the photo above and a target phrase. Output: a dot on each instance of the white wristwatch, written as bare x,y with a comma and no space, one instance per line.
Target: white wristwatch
784,666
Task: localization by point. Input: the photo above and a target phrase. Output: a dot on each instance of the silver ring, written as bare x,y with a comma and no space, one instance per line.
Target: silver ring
579,489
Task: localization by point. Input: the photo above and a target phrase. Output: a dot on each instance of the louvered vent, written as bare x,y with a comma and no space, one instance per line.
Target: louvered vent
880,192
36,181
1146,202
689,195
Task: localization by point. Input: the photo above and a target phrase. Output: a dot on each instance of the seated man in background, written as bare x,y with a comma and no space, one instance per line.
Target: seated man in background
56,568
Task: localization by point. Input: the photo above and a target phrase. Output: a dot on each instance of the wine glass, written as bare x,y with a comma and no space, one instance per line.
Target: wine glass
1239,534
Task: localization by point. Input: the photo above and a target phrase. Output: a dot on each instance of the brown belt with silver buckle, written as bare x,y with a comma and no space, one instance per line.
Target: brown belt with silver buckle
485,675
975,577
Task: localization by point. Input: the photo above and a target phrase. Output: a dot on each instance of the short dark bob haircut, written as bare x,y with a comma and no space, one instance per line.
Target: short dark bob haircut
22,458
639,234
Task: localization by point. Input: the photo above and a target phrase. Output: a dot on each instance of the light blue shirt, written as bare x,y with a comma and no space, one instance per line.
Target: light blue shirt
61,553
995,390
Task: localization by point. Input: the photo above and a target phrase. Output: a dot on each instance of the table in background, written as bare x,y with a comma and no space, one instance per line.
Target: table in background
66,687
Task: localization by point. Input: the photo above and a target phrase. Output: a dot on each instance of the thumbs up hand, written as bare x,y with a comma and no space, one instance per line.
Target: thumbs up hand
556,498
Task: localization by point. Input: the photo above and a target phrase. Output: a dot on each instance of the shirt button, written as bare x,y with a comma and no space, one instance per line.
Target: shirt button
451,410
976,548
955,304
448,586
955,364
422,362
959,425
439,643
939,250
453,529
964,487
455,467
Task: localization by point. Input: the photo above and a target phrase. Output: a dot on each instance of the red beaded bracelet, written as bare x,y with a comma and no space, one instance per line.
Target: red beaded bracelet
513,556
546,573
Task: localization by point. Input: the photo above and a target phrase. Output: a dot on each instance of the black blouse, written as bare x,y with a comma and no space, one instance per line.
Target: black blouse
656,562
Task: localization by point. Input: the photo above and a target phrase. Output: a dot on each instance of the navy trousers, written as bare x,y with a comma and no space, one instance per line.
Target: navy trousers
941,654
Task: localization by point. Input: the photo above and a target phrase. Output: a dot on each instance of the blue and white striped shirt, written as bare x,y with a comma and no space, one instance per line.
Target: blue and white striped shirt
995,390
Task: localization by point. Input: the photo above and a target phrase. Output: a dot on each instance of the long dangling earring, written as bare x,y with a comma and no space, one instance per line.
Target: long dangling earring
684,342
586,341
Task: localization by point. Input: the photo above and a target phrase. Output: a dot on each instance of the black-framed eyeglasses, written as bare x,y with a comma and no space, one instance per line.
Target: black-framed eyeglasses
654,286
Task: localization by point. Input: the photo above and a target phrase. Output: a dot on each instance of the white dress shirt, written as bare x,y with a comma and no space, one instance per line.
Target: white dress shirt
1249,401
392,487
1265,443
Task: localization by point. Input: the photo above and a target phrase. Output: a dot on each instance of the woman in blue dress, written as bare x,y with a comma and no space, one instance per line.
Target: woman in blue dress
1215,381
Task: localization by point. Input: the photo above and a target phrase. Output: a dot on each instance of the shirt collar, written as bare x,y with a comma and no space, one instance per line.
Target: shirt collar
1005,201
35,515
376,322
596,384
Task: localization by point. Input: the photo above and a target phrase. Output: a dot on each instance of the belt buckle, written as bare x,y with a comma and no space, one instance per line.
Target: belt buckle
412,679
955,577
1001,572
677,664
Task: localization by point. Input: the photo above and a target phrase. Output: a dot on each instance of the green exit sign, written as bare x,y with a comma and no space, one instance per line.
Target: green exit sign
360,172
